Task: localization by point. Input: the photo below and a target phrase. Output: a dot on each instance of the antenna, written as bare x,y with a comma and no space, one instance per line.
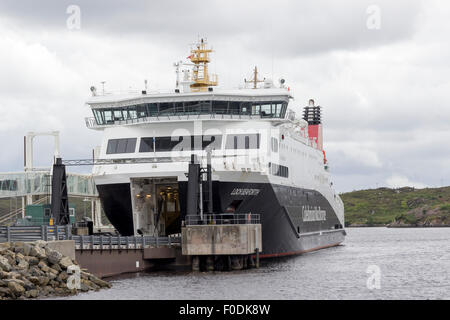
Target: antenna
272,64
177,71
103,86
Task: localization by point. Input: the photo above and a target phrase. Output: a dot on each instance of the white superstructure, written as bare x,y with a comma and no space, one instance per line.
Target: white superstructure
253,134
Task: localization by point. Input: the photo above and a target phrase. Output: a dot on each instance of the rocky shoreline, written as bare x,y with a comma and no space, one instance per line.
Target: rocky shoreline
34,270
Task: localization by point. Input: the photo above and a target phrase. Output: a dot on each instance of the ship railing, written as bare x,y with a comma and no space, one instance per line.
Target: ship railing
109,242
222,218
54,233
90,122
184,115
96,162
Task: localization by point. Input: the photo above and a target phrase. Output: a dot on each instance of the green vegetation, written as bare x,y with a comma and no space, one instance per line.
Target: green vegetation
398,206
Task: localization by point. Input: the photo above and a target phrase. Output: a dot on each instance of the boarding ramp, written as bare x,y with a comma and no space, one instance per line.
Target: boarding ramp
19,184
29,184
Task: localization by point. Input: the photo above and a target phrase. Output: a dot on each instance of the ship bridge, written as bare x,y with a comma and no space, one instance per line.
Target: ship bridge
195,97
239,104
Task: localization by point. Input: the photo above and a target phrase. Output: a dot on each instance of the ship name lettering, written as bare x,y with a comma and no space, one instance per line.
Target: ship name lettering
245,192
314,215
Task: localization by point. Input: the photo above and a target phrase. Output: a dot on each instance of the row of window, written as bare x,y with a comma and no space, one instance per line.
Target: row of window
121,146
278,170
183,143
8,185
263,109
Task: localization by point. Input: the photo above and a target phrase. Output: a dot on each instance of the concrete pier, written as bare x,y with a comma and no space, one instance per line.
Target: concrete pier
221,247
227,239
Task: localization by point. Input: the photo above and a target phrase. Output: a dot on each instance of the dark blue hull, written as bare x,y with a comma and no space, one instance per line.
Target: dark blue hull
284,231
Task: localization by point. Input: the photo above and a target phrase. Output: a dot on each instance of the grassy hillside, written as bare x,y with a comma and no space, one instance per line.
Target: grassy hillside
369,207
398,206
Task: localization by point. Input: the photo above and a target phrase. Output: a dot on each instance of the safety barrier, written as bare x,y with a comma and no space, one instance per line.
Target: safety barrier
52,233
123,242
33,233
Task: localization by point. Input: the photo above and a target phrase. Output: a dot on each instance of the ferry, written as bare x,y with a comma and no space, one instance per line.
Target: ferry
266,159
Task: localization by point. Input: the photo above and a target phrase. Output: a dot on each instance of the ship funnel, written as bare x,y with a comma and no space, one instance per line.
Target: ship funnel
312,114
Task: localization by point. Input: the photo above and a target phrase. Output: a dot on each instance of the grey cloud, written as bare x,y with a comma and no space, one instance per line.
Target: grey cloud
384,93
282,28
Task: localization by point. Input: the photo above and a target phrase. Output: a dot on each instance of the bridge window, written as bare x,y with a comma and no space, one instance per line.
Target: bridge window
264,109
127,145
108,116
276,109
166,108
220,107
141,111
118,115
243,141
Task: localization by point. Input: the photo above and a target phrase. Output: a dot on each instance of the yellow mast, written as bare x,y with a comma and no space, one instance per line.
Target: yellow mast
200,76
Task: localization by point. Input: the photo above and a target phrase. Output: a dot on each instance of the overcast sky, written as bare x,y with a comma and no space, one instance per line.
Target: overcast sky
379,69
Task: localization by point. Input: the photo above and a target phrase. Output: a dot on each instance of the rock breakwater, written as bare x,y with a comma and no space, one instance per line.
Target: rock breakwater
33,270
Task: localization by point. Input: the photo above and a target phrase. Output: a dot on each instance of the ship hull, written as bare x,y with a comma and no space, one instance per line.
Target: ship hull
281,209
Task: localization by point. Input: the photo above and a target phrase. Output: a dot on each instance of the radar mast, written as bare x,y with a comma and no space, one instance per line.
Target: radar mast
200,58
255,79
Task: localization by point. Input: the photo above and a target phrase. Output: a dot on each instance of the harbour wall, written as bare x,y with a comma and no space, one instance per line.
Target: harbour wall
108,263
